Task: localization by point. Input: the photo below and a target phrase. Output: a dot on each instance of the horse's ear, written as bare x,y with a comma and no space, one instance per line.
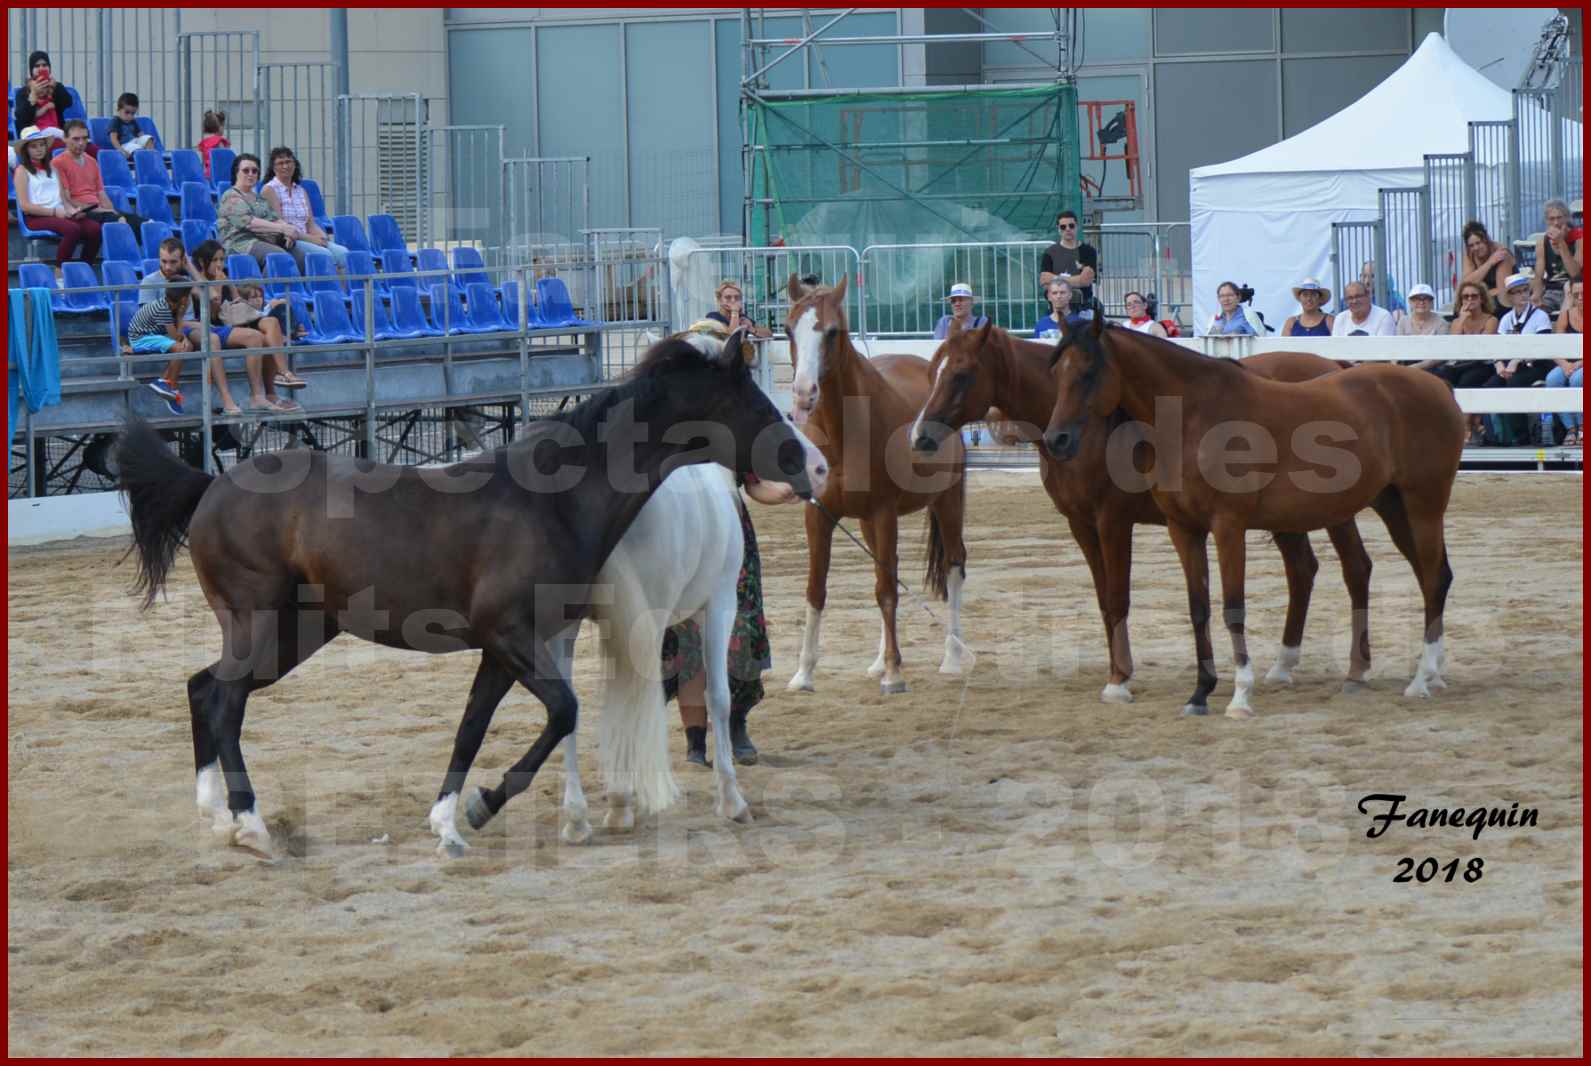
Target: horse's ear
984,331
839,286
1055,356
795,289
733,355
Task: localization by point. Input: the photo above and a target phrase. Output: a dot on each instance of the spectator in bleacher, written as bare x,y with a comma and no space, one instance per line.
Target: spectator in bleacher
961,316
731,309
1557,261
247,225
1577,228
1362,318
1422,319
1474,319
1140,318
1072,259
1487,262
1570,372
1310,321
41,203
214,137
1522,318
125,136
42,101
1233,320
1048,327
1367,277
287,197
238,324
81,184
157,327
174,268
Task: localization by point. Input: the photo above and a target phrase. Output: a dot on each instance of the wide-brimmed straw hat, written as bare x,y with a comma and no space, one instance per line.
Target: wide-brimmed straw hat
960,288
33,133
1516,280
1311,285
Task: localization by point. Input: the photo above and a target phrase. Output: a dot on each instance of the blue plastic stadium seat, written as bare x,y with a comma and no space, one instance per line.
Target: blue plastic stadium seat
331,323
152,204
99,133
471,268
408,316
147,267
119,243
147,125
117,179
387,328
150,170
153,233
76,276
323,268
396,271
196,202
195,231
385,236
221,169
553,306
118,272
350,233
42,276
430,259
281,267
34,234
317,203
511,306
187,165
483,309
448,308
75,109
244,268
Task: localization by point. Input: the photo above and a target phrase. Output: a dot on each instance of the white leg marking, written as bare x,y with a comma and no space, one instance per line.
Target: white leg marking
1243,682
210,789
1286,659
1426,673
444,823
877,669
1116,694
575,826
958,657
802,681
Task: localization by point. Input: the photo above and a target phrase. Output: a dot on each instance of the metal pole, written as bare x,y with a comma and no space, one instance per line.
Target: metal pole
370,367
207,419
523,318
106,83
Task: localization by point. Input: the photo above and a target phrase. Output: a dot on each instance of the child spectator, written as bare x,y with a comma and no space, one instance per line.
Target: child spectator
157,327
214,136
125,136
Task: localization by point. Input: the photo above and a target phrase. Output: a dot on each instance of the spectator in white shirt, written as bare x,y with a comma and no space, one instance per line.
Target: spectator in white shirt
1362,318
1522,317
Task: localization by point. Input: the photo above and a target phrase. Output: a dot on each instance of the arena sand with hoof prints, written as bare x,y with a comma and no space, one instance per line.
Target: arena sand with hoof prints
986,865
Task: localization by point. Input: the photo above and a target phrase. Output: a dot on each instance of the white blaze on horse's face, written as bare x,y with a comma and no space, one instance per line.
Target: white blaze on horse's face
807,341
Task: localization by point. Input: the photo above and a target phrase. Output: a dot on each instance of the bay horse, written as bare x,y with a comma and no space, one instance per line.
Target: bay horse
859,412
988,368
1386,437
497,553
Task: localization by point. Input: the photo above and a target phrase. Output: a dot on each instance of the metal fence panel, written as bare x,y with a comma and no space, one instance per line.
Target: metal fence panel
1551,152
381,142
1353,245
298,111
216,70
545,203
1495,148
1406,221
1450,179
461,171
907,284
764,276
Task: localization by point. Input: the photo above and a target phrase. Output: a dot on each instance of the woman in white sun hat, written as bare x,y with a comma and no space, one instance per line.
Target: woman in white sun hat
961,301
1310,321
1422,319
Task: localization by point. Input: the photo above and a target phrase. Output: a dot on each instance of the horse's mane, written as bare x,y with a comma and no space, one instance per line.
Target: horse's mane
641,383
1171,349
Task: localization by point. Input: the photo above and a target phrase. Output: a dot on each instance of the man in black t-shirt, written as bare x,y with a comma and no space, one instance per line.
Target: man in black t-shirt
1071,259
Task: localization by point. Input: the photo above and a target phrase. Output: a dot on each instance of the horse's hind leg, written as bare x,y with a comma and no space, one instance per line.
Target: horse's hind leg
820,542
717,624
1356,567
1087,538
536,669
1436,577
209,786
1298,558
881,535
1190,544
948,555
1231,550
1115,559
491,684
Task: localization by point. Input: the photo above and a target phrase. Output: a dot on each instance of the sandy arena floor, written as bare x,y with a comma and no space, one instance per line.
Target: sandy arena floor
998,866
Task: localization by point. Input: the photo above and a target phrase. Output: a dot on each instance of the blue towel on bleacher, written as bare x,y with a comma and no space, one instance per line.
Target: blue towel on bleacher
37,365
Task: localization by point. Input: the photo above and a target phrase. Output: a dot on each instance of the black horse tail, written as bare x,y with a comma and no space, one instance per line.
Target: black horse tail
161,493
939,562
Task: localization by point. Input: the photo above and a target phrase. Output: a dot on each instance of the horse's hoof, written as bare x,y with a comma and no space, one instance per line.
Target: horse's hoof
801,683
1278,675
1351,686
1239,711
250,834
452,849
1114,693
892,688
1435,681
476,810
575,832
741,816
951,669
1417,690
877,669
619,819
1192,710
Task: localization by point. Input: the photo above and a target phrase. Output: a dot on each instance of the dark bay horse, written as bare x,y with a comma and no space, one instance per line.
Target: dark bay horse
1236,451
497,553
859,412
1103,495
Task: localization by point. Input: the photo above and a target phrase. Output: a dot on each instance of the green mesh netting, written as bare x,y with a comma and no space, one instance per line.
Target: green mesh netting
875,168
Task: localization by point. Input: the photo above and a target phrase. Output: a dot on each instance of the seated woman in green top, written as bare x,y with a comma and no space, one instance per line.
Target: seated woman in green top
247,225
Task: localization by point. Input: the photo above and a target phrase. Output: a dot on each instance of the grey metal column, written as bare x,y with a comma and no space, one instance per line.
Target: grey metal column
337,18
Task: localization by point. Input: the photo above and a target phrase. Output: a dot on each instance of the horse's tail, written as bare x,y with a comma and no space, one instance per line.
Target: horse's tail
939,561
632,734
161,493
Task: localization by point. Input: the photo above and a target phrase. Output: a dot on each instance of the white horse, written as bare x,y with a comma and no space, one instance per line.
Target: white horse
679,560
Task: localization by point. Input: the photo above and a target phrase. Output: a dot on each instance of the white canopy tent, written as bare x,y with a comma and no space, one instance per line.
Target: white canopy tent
1265,219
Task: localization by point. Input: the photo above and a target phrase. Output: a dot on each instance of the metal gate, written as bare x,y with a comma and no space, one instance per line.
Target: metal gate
907,284
1352,245
381,147
1450,180
216,70
300,113
1494,146
461,168
1406,220
545,203
764,276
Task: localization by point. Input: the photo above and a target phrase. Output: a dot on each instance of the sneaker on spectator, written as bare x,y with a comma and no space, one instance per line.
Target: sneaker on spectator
166,391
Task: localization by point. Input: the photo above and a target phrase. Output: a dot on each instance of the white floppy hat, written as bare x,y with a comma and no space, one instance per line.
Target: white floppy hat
1311,285
1516,280
960,288
33,133
1422,289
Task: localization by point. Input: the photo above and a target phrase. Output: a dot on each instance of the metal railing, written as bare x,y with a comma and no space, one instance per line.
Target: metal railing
546,202
460,172
764,278
1450,181
1494,147
1406,225
1355,246
380,156
297,107
217,70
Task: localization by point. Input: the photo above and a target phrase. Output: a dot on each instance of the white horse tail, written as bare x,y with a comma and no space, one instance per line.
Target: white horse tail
632,734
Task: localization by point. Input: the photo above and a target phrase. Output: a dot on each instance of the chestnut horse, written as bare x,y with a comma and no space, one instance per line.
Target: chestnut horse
859,412
988,367
1313,454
